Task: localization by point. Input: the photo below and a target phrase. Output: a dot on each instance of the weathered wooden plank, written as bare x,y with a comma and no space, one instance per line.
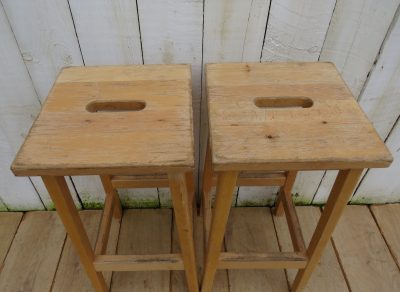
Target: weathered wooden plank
355,35
234,30
328,275
70,275
108,31
19,108
46,38
144,232
379,96
296,30
388,217
9,223
242,235
32,260
363,252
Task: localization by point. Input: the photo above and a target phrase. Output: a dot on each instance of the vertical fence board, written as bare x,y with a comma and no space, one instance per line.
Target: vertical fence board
296,31
108,34
171,32
234,30
382,185
379,98
381,102
20,101
19,107
46,38
357,30
108,31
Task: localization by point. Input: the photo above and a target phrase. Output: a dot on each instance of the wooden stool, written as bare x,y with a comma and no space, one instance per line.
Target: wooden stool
117,122
282,117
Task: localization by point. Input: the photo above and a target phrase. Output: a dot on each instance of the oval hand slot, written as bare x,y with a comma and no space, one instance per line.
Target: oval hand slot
115,106
283,102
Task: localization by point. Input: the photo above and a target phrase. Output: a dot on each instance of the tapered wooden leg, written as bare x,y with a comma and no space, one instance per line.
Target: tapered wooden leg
341,191
223,199
206,197
184,224
191,192
59,192
285,190
110,191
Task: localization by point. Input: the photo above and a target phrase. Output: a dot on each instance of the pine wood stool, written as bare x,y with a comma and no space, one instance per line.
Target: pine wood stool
132,125
286,117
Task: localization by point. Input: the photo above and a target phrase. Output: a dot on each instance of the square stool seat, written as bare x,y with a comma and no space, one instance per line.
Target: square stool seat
132,126
114,119
283,116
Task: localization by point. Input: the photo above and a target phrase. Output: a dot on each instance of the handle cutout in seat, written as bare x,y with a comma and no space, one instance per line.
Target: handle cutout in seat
283,102
115,106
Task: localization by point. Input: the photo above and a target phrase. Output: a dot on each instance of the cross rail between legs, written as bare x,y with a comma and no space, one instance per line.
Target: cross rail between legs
96,260
303,258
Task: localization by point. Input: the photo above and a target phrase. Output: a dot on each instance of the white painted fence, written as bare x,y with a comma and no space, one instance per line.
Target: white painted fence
38,38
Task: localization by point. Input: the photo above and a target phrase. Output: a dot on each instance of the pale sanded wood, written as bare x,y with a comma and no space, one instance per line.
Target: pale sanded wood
365,258
59,192
144,232
226,184
257,261
148,262
178,281
70,274
252,230
9,223
32,260
341,191
327,275
245,137
181,194
68,139
387,218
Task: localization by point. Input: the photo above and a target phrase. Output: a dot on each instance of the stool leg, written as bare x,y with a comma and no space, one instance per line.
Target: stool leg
206,200
191,192
58,190
223,199
341,191
285,190
183,220
110,191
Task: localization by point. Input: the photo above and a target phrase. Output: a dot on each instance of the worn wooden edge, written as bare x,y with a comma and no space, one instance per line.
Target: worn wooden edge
156,262
272,260
23,170
302,165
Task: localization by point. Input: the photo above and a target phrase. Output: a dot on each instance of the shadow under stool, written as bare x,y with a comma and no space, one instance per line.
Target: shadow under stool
276,119
132,126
